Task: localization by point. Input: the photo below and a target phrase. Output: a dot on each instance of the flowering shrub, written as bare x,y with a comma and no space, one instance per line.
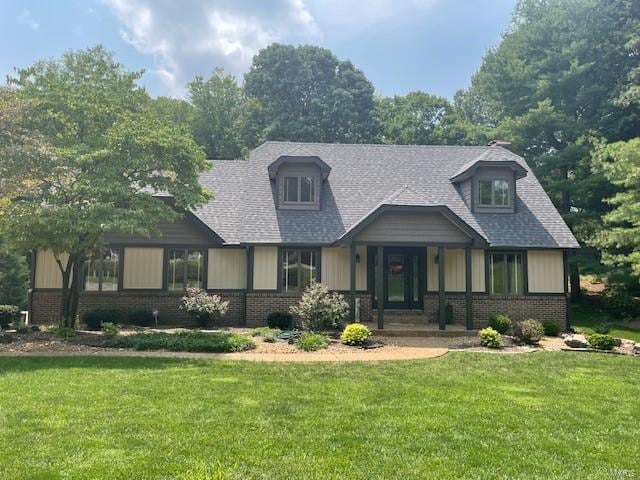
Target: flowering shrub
319,309
529,331
203,307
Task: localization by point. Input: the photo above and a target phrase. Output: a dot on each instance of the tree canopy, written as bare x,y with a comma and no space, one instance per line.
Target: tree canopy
99,157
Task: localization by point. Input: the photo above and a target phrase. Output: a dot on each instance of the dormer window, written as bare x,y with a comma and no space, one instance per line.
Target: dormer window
299,189
493,193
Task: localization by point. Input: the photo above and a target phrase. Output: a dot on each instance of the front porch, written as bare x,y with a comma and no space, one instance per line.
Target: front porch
392,329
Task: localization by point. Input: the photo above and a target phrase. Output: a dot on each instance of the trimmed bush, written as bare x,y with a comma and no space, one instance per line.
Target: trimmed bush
529,331
551,328
186,342
355,334
281,320
109,329
310,342
140,318
8,314
600,341
500,323
95,318
490,338
320,309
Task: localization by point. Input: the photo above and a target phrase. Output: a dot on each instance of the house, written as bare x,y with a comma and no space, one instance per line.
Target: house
430,231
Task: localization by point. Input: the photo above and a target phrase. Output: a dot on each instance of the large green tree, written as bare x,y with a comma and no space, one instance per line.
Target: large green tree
305,93
218,121
101,155
549,85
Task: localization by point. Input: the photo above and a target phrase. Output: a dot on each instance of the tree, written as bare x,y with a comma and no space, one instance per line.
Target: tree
218,103
620,241
551,84
306,94
419,118
14,277
175,110
102,155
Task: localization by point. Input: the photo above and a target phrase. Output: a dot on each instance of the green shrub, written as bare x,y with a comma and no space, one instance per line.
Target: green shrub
8,314
265,332
320,309
280,320
270,338
603,328
140,318
64,332
551,328
500,323
186,342
620,303
489,337
109,329
600,341
529,331
355,334
23,329
310,342
95,318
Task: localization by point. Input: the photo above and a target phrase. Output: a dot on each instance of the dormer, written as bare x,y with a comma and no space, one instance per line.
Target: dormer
488,185
298,181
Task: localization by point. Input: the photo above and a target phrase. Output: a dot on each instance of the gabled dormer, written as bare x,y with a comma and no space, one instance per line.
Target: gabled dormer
488,184
298,180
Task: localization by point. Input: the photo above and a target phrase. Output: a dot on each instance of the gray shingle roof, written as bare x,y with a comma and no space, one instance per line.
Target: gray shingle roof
362,178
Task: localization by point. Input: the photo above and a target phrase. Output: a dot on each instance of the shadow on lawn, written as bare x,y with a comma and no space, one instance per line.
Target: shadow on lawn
29,364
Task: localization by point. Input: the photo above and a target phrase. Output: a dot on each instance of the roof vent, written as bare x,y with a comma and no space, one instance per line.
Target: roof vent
499,143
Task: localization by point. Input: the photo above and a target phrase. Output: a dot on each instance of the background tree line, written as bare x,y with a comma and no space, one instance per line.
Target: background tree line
562,86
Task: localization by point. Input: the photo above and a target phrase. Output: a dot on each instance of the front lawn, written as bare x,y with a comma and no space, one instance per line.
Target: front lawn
588,315
537,415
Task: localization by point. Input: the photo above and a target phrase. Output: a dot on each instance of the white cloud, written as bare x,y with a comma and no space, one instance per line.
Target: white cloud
194,36
189,37
26,18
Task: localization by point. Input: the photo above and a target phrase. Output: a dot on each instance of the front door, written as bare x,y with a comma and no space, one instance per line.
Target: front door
403,278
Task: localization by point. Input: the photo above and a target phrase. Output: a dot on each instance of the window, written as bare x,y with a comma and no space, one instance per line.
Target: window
493,193
506,273
101,272
299,189
185,269
299,269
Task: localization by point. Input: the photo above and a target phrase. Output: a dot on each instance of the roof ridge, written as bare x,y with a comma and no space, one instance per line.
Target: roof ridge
387,145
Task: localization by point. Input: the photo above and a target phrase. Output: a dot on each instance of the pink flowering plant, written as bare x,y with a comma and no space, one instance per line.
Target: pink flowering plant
202,307
319,309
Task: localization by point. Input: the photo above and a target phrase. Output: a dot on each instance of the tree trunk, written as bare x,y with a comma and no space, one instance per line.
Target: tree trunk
71,286
574,281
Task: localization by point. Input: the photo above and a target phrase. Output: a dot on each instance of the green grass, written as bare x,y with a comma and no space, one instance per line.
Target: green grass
186,342
586,316
464,415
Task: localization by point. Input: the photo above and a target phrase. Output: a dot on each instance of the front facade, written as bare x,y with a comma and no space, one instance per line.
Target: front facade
423,234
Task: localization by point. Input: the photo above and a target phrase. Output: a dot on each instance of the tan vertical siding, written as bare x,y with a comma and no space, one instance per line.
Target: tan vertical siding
416,227
336,268
143,268
48,273
477,270
455,273
265,268
227,268
545,271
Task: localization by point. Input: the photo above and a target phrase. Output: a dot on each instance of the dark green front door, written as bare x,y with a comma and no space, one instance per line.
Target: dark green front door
403,273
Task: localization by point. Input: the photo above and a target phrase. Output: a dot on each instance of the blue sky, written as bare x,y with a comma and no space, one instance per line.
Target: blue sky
401,45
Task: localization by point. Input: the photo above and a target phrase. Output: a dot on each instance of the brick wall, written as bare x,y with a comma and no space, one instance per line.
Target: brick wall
45,305
261,304
538,307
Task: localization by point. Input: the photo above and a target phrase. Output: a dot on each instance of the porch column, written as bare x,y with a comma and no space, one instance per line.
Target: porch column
352,289
380,287
442,313
469,287
567,297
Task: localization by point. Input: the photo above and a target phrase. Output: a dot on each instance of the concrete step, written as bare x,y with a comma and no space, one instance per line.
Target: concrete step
389,331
